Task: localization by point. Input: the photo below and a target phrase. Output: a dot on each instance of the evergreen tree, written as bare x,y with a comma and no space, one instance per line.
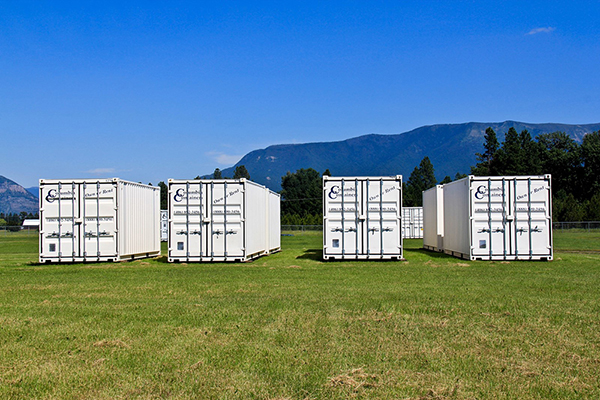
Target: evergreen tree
241,172
446,179
422,178
302,193
508,156
485,159
530,155
164,195
561,157
327,173
590,157
217,174
593,208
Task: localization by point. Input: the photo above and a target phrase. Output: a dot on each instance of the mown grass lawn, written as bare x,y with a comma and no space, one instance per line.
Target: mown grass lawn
291,326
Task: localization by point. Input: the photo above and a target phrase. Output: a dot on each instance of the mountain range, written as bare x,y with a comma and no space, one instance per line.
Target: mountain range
14,198
450,147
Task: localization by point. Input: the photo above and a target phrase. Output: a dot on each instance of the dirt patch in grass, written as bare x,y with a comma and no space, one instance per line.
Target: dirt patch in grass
355,380
432,264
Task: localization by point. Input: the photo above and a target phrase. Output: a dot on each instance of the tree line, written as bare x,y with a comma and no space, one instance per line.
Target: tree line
575,170
16,219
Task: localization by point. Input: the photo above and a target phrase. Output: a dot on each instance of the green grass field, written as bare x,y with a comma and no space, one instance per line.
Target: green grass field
289,326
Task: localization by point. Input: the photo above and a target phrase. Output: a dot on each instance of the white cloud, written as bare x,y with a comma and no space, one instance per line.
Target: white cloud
224,159
101,171
547,29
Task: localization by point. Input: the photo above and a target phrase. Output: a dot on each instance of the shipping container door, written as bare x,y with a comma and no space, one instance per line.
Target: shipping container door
382,223
412,222
344,216
490,232
60,220
531,218
98,219
225,229
187,211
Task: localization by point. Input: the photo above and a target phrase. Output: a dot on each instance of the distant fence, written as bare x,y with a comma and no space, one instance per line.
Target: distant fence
302,228
7,229
584,225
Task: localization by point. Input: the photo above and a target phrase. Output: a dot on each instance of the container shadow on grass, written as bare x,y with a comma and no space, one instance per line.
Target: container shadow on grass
429,253
312,254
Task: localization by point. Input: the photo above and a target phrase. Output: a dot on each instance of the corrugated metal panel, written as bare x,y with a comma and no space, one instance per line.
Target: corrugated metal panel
499,218
97,220
274,216
139,220
433,218
362,217
412,222
256,216
217,220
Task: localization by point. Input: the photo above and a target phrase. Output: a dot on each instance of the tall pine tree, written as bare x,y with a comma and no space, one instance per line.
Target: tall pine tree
422,178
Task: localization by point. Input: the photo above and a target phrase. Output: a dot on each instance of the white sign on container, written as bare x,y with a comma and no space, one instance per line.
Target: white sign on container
221,220
164,225
362,218
412,222
499,218
98,220
433,218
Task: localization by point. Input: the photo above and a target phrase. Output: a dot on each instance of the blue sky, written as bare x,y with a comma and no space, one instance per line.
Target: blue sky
148,91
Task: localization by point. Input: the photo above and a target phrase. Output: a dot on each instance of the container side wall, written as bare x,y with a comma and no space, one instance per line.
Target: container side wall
456,218
256,219
433,218
139,220
274,216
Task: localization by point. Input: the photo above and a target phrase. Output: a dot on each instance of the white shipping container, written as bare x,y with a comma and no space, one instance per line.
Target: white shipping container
499,218
86,220
362,218
433,218
164,225
412,222
221,220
